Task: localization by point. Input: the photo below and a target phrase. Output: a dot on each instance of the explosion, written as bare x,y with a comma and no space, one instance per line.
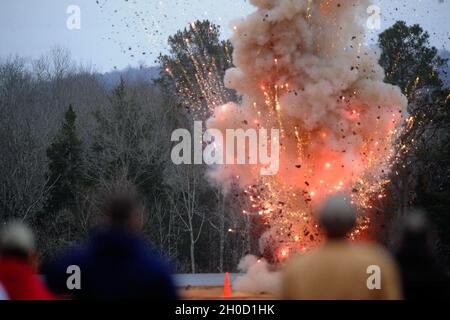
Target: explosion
301,66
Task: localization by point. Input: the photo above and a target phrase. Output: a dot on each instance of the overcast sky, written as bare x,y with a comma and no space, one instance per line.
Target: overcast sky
110,28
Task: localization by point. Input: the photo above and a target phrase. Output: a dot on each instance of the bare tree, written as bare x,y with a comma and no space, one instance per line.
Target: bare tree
186,184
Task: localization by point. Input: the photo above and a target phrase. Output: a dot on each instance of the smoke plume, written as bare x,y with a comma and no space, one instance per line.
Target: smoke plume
258,277
302,66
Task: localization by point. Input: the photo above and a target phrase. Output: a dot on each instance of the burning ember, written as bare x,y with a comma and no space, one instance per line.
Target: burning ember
302,67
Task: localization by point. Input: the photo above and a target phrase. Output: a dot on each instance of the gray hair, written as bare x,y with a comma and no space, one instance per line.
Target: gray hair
16,238
337,216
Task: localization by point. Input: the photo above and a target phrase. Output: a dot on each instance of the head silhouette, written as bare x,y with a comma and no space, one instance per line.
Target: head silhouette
337,217
17,240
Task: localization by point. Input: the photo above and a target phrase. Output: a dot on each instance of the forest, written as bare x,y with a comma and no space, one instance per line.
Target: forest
69,134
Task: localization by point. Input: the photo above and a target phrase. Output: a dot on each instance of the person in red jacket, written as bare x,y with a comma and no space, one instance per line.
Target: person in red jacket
17,265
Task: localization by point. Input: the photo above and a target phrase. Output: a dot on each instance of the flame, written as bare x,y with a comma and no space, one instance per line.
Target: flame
337,125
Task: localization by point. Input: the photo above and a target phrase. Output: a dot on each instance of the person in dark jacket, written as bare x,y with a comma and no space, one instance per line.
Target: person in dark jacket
116,263
18,277
423,277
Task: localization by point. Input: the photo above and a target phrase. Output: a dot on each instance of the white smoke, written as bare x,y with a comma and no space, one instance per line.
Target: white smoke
302,66
258,277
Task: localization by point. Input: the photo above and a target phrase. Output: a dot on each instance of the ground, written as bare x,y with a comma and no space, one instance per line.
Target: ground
210,286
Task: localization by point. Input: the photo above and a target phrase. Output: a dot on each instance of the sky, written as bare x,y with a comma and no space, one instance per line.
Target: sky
120,33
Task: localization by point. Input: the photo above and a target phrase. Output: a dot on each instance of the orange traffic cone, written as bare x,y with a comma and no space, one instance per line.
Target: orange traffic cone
226,286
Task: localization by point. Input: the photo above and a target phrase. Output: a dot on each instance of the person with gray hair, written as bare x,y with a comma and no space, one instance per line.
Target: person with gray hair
341,269
337,217
18,274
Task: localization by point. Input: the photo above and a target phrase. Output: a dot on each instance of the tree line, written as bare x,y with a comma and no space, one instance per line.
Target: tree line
66,138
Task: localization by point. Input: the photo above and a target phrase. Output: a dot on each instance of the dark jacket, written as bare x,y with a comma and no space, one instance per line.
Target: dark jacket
114,265
422,277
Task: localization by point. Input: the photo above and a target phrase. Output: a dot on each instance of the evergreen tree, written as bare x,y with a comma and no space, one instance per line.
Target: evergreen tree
65,165
421,174
408,59
124,143
194,69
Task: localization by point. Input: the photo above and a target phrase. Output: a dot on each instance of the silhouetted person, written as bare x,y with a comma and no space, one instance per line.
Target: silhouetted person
339,269
18,278
423,277
116,263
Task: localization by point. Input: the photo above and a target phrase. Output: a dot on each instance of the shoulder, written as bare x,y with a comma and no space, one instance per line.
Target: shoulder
56,270
298,263
373,250
155,261
376,255
75,256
